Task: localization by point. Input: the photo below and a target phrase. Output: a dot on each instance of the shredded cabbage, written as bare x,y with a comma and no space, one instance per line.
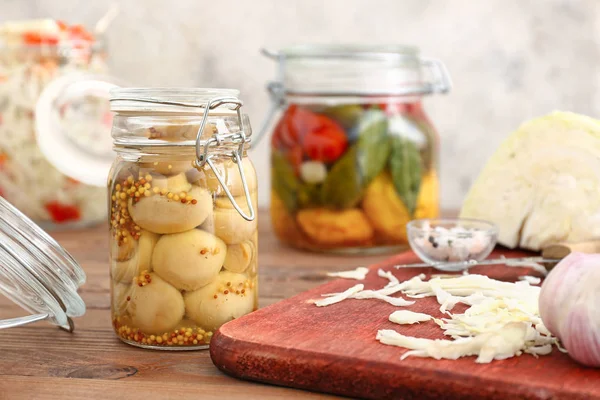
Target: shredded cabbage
339,296
502,319
26,178
403,317
359,274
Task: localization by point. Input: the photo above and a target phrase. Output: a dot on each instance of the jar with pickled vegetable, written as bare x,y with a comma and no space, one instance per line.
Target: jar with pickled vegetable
353,155
183,228
34,55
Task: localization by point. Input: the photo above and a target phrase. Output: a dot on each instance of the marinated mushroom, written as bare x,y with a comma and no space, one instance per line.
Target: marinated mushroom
231,226
120,292
178,129
154,305
229,296
125,271
209,223
171,167
189,260
174,130
225,202
239,256
172,213
171,184
124,248
230,173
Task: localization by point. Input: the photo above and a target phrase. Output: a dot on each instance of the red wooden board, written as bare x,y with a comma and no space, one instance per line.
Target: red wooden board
333,349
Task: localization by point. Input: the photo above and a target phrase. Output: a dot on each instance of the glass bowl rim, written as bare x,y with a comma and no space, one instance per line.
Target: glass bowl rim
487,227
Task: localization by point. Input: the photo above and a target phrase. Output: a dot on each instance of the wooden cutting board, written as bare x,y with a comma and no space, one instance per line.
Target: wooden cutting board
333,349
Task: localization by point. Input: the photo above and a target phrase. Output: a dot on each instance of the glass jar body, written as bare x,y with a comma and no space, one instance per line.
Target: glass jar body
183,260
348,173
27,179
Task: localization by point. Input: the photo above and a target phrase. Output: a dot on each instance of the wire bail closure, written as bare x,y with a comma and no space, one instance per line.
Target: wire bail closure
218,139
440,82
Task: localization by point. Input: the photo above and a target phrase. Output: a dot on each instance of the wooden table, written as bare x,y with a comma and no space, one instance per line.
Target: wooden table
41,361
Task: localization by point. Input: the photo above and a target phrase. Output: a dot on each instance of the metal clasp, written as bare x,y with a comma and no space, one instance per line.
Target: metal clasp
276,92
441,77
240,138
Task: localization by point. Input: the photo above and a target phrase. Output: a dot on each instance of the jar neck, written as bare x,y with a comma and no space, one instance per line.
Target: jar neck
183,152
176,130
350,99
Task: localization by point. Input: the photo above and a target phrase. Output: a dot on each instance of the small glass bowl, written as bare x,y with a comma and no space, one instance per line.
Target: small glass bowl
459,239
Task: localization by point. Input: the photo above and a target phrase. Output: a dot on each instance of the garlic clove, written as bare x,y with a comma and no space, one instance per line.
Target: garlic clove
568,306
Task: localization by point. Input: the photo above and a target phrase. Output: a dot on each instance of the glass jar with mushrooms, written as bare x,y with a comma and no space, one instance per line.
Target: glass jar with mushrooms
182,204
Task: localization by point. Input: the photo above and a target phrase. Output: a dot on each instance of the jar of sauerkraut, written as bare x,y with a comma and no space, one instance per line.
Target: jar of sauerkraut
34,56
183,229
353,154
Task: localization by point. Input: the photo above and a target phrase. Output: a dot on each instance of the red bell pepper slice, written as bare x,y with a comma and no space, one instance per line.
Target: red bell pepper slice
63,212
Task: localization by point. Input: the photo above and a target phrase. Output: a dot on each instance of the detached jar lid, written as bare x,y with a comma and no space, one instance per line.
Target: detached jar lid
73,126
36,273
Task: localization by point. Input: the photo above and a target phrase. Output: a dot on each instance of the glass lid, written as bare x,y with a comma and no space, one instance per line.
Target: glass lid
359,70
73,122
36,273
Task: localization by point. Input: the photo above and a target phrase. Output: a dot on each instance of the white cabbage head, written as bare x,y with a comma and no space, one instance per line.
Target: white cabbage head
543,183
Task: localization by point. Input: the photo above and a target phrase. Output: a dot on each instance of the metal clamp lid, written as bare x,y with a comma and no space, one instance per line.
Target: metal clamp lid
203,145
239,138
388,57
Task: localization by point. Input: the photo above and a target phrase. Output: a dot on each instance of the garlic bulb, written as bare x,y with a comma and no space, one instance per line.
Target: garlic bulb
570,306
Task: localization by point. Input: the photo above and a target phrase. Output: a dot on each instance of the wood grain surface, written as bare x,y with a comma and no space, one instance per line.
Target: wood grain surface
333,349
42,362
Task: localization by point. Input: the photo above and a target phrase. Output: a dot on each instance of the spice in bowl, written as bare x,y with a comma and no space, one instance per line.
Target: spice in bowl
442,240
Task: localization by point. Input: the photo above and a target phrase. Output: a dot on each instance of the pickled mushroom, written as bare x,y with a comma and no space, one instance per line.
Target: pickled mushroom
167,168
123,250
155,306
252,270
189,260
166,214
230,296
231,175
120,292
124,271
175,130
178,129
239,256
174,184
230,226
209,223
225,202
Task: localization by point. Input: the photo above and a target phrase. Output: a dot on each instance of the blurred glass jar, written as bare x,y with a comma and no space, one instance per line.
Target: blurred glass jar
35,56
183,229
353,155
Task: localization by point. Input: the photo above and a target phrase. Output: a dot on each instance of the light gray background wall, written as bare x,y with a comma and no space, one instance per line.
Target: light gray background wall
510,59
